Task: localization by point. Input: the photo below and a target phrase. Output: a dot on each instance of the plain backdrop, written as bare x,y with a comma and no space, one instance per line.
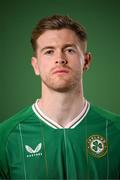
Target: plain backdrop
19,87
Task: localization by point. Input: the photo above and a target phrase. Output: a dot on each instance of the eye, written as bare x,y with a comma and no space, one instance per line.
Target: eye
70,50
49,52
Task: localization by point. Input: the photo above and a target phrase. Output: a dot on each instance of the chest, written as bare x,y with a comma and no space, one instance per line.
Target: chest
40,152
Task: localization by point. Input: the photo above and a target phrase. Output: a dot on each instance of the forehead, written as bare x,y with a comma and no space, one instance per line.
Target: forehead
57,37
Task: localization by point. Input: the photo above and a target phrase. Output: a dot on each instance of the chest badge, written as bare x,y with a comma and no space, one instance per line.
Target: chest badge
97,146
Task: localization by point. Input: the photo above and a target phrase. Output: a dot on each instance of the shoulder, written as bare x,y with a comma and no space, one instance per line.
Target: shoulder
104,114
6,129
7,125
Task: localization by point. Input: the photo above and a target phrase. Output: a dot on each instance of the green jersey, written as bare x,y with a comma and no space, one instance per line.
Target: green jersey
32,146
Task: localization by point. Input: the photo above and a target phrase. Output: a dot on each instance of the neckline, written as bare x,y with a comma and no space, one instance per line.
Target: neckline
72,124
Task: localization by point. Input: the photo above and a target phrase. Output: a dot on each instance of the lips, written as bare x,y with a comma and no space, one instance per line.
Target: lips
60,71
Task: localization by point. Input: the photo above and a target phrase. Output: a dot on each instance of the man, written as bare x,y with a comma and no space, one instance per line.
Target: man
61,136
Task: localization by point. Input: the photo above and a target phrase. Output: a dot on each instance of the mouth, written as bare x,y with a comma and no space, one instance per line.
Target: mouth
61,71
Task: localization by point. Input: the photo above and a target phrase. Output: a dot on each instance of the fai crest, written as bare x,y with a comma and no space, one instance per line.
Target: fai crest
97,146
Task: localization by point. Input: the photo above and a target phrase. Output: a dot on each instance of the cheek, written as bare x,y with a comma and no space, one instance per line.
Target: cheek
78,63
78,67
81,64
44,69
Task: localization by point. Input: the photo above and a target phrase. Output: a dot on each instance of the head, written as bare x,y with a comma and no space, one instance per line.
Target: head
60,56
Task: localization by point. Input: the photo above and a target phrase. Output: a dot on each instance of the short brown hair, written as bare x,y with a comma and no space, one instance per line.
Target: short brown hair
57,22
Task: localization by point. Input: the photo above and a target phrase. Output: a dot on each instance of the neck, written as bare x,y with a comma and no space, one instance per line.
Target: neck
61,107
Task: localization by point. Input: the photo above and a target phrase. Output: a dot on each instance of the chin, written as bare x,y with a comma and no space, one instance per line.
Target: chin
61,86
62,90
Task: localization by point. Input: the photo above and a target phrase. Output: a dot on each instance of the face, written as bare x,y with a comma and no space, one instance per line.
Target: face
60,60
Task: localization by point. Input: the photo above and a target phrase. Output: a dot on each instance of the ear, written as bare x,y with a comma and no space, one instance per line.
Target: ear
87,60
35,65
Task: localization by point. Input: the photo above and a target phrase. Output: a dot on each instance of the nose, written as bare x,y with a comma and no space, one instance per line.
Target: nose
61,59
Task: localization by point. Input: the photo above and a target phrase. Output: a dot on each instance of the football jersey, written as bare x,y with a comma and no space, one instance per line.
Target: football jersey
33,146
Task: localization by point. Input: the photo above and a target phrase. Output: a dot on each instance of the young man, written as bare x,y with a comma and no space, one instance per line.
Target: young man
61,136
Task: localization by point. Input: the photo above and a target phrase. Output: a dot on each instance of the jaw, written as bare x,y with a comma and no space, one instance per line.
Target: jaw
61,85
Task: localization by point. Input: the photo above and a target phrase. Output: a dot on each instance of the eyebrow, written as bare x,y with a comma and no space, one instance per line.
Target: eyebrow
65,46
69,45
47,47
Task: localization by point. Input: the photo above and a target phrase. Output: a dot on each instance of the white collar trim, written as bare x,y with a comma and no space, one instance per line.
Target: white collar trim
72,124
